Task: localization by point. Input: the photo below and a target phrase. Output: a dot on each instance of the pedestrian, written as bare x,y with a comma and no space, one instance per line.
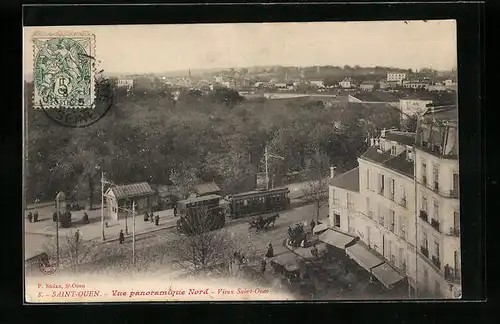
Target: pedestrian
85,218
121,238
263,264
30,217
146,216
152,217
270,251
175,211
35,217
157,220
54,217
77,236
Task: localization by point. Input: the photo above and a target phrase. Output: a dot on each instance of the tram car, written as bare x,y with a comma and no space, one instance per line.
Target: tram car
259,202
200,214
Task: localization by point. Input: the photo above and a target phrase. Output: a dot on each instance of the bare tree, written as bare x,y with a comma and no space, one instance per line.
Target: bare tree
207,249
316,189
73,252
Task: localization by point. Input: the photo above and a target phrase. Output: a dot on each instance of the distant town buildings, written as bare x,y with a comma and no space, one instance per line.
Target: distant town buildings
125,83
368,85
347,83
396,77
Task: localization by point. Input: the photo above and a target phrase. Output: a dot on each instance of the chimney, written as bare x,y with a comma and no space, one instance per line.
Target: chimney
332,172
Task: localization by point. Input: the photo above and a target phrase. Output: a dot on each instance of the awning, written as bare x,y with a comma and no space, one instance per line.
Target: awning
320,227
336,239
386,275
364,257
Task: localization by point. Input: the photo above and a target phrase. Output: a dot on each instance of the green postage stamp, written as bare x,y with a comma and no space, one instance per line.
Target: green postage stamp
64,70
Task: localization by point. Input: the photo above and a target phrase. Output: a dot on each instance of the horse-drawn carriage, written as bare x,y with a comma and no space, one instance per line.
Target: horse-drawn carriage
263,222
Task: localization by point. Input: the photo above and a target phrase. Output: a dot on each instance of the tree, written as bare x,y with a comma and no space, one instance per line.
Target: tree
316,189
185,179
73,254
210,250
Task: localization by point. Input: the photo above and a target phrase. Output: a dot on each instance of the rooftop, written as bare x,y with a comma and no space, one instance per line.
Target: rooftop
198,199
348,180
397,163
206,188
376,96
140,189
405,138
442,113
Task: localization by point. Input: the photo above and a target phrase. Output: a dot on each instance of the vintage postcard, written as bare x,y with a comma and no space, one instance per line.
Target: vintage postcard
241,162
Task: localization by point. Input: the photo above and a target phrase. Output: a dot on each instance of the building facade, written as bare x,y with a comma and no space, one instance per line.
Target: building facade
119,200
396,76
405,206
437,196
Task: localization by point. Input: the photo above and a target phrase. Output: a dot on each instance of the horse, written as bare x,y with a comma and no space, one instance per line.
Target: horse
261,223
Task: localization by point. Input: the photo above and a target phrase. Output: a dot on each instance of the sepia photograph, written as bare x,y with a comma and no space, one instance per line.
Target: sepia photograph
312,161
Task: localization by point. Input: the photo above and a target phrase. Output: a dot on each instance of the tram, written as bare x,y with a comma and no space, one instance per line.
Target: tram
200,214
259,202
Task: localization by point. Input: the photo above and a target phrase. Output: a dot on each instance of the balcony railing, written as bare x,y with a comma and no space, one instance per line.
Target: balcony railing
436,262
454,193
435,224
424,251
451,274
423,215
455,231
403,202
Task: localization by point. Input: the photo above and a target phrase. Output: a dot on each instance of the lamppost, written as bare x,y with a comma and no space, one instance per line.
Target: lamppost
103,182
132,211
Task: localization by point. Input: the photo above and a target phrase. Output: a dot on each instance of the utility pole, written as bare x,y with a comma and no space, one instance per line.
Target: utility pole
267,175
102,206
57,229
133,234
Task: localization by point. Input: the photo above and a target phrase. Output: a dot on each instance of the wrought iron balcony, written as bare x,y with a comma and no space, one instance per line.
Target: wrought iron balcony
403,202
451,274
436,262
454,193
435,224
423,215
455,231
424,251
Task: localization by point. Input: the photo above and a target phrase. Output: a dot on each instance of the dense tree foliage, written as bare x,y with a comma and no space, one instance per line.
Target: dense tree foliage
147,135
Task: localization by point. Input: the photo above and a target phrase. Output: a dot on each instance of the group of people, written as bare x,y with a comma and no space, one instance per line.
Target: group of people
33,217
152,218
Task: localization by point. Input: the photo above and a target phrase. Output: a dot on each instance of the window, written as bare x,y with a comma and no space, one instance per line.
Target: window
391,189
334,196
381,180
368,210
402,259
393,150
403,196
424,204
435,173
424,173
455,185
389,250
392,220
349,201
436,250
436,210
336,220
425,243
402,226
380,216
368,179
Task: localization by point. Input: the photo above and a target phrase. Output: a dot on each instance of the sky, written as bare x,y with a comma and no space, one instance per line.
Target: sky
162,48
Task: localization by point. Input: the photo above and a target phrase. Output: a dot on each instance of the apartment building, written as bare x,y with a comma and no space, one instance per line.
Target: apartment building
437,196
396,76
404,207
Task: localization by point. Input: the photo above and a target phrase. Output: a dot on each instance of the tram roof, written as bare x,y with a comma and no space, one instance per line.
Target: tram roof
260,192
198,199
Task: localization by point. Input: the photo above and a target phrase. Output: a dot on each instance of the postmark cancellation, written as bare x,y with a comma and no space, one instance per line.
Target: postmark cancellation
63,70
